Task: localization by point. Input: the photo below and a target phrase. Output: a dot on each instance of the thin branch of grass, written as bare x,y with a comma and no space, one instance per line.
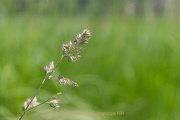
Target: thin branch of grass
37,92
71,51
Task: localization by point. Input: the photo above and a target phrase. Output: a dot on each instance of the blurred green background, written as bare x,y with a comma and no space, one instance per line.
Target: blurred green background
131,64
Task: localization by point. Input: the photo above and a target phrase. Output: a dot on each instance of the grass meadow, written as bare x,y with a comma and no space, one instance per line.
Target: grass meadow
130,65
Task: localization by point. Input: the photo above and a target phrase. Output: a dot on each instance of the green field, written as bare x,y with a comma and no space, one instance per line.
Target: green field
129,65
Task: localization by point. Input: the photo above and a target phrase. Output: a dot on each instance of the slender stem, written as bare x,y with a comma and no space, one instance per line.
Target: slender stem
37,92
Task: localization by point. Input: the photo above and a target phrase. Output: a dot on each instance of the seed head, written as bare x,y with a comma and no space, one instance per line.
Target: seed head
32,104
74,57
54,102
83,37
67,46
63,81
49,68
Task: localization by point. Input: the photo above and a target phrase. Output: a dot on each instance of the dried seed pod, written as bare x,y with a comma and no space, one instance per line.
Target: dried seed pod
49,68
34,103
83,37
67,46
54,102
65,81
74,57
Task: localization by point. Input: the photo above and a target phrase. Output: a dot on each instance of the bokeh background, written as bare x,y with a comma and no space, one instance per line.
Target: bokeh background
131,64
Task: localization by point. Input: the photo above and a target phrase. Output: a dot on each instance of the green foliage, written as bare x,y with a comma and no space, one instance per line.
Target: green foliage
129,65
